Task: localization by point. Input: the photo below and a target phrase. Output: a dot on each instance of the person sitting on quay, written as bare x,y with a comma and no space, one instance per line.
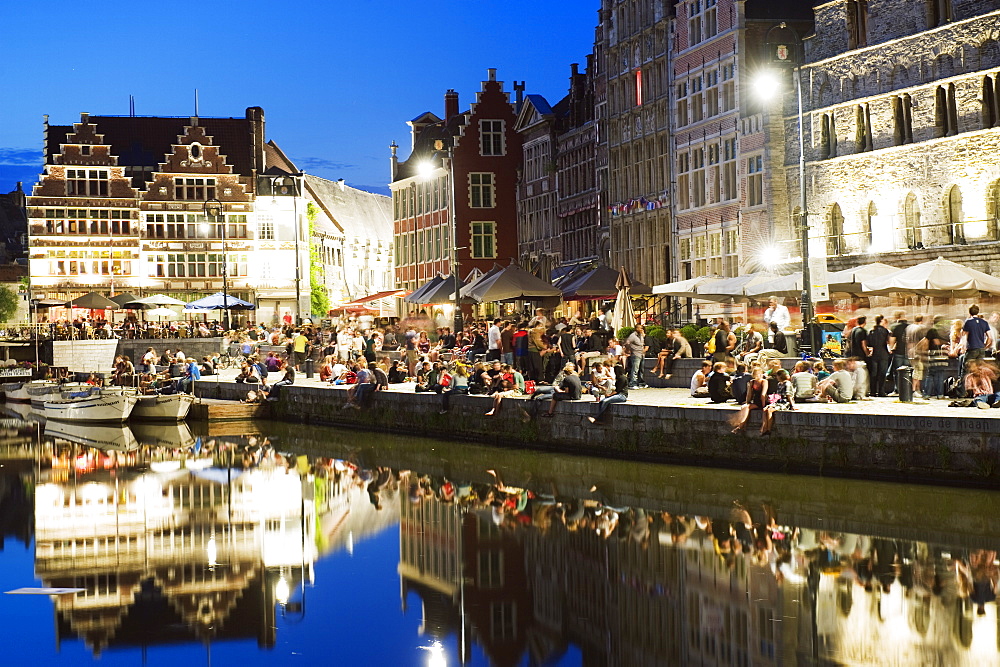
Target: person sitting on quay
738,383
755,400
619,394
396,372
570,389
286,380
207,367
777,345
820,369
980,379
718,383
839,387
457,384
602,380
750,345
503,387
423,377
191,373
699,381
804,382
326,369
779,397
366,385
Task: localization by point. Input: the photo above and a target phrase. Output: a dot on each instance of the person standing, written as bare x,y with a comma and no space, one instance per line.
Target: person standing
898,347
858,340
878,343
299,345
777,313
976,332
410,348
507,343
493,352
636,345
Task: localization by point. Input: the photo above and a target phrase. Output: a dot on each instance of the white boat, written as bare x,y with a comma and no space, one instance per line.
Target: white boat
18,392
174,436
40,393
94,407
167,407
107,436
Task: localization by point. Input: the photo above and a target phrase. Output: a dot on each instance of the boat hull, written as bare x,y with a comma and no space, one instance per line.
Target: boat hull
171,407
96,408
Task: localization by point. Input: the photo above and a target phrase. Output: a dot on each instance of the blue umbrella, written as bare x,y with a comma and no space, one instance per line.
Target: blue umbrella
220,301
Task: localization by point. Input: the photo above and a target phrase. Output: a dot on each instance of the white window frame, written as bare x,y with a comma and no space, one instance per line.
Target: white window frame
492,138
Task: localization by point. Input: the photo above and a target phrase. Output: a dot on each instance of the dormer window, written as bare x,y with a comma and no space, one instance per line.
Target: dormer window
85,149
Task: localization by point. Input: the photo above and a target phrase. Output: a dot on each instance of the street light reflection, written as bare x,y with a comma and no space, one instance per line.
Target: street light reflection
435,655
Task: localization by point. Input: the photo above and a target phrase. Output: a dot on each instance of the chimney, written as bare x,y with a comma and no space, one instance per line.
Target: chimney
450,105
519,87
340,182
491,74
393,163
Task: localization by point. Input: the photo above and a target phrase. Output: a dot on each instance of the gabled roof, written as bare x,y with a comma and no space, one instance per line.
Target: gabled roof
353,211
276,162
147,140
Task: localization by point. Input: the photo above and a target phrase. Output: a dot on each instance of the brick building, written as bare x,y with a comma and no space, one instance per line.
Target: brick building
723,183
633,110
559,221
486,150
902,132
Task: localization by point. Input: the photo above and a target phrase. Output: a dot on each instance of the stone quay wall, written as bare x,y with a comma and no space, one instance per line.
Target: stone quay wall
939,450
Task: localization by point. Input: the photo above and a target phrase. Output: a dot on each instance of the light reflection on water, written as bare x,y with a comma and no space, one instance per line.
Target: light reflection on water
250,546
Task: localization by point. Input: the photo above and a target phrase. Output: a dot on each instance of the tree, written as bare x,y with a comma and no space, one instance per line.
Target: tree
319,301
9,301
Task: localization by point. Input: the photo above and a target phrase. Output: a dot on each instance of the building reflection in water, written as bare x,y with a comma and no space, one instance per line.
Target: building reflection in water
527,574
184,539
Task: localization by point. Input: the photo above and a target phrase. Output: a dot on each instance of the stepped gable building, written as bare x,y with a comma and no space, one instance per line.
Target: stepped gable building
559,217
902,132
121,204
487,154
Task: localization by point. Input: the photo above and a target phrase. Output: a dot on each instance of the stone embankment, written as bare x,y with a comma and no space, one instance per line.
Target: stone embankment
920,445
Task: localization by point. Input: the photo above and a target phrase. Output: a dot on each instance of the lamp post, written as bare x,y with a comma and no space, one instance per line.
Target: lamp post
768,86
213,207
426,168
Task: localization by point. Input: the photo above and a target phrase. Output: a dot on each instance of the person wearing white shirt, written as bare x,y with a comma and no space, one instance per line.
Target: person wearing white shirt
493,342
776,313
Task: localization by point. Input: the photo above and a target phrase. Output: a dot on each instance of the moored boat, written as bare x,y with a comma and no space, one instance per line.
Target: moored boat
46,391
163,407
18,392
92,407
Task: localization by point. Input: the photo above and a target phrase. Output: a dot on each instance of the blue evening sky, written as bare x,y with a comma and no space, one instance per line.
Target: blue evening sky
337,80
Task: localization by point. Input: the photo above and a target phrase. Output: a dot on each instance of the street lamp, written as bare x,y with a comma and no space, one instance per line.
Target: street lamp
425,170
213,207
768,84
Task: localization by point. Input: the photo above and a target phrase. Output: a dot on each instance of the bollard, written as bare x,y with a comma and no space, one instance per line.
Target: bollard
904,383
309,368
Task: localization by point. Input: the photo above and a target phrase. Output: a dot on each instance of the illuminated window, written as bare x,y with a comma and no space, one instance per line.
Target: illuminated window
86,183
755,180
491,137
194,189
638,87
728,87
483,240
481,190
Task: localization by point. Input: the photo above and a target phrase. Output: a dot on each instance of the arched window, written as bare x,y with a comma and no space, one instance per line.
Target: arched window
835,231
993,211
954,217
911,222
867,221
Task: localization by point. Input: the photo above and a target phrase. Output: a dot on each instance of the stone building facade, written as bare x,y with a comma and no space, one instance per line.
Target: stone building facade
902,132
634,112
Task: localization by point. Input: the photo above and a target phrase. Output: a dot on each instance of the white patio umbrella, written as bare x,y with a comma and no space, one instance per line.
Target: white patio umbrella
162,312
740,288
159,300
685,288
939,277
623,315
845,281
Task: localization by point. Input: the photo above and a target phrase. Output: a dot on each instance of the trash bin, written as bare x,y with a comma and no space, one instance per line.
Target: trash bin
904,383
309,367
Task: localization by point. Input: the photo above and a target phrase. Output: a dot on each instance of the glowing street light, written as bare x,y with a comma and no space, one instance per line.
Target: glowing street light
767,86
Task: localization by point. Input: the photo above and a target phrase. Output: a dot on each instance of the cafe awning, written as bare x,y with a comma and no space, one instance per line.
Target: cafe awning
388,294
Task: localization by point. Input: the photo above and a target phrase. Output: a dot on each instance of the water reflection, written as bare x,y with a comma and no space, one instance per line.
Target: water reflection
176,537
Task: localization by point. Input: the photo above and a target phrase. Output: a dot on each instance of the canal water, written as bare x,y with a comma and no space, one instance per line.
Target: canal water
281,544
